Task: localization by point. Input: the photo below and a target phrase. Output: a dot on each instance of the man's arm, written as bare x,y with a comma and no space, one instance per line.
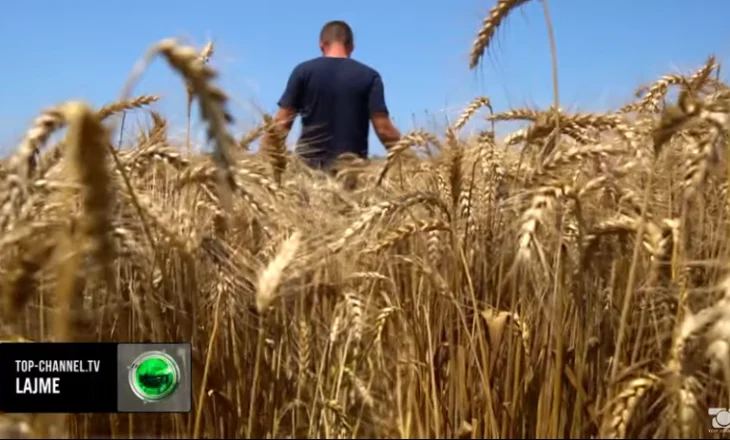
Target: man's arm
379,116
384,128
289,105
284,120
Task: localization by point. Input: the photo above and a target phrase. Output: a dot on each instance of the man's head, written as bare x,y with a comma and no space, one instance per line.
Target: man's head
336,39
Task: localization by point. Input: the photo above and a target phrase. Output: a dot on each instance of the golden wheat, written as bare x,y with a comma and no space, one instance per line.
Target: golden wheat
544,286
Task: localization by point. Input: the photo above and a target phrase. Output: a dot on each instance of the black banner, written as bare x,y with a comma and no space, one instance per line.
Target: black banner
38,377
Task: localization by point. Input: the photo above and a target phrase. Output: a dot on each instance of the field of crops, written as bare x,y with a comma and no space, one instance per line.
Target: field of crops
569,281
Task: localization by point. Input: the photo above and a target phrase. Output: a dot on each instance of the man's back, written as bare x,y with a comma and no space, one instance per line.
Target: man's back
335,97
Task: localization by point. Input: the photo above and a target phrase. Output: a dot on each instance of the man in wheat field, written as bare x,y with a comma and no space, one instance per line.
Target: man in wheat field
336,97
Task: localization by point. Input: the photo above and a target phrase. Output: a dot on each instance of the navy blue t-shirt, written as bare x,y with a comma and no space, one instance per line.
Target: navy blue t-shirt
335,98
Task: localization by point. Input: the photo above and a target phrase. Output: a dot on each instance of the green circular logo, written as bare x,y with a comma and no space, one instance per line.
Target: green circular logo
154,376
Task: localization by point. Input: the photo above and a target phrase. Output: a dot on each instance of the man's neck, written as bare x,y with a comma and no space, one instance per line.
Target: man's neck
336,52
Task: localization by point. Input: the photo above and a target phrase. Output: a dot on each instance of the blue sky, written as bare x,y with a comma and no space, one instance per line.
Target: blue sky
56,51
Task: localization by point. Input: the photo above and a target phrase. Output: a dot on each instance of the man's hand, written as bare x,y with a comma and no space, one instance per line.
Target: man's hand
384,128
389,135
283,121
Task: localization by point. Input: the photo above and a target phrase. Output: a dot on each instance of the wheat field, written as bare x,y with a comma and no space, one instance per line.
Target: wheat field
568,281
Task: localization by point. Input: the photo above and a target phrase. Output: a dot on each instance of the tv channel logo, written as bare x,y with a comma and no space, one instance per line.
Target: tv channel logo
720,418
154,378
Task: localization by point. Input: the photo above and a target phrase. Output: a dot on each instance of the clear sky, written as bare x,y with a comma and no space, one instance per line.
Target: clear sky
82,49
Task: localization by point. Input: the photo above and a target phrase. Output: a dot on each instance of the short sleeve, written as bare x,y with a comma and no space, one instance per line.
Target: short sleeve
376,100
292,96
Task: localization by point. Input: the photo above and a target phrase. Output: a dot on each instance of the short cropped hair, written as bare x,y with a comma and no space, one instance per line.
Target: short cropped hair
337,32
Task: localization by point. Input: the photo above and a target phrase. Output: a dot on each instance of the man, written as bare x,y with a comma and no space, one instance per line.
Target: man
336,97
